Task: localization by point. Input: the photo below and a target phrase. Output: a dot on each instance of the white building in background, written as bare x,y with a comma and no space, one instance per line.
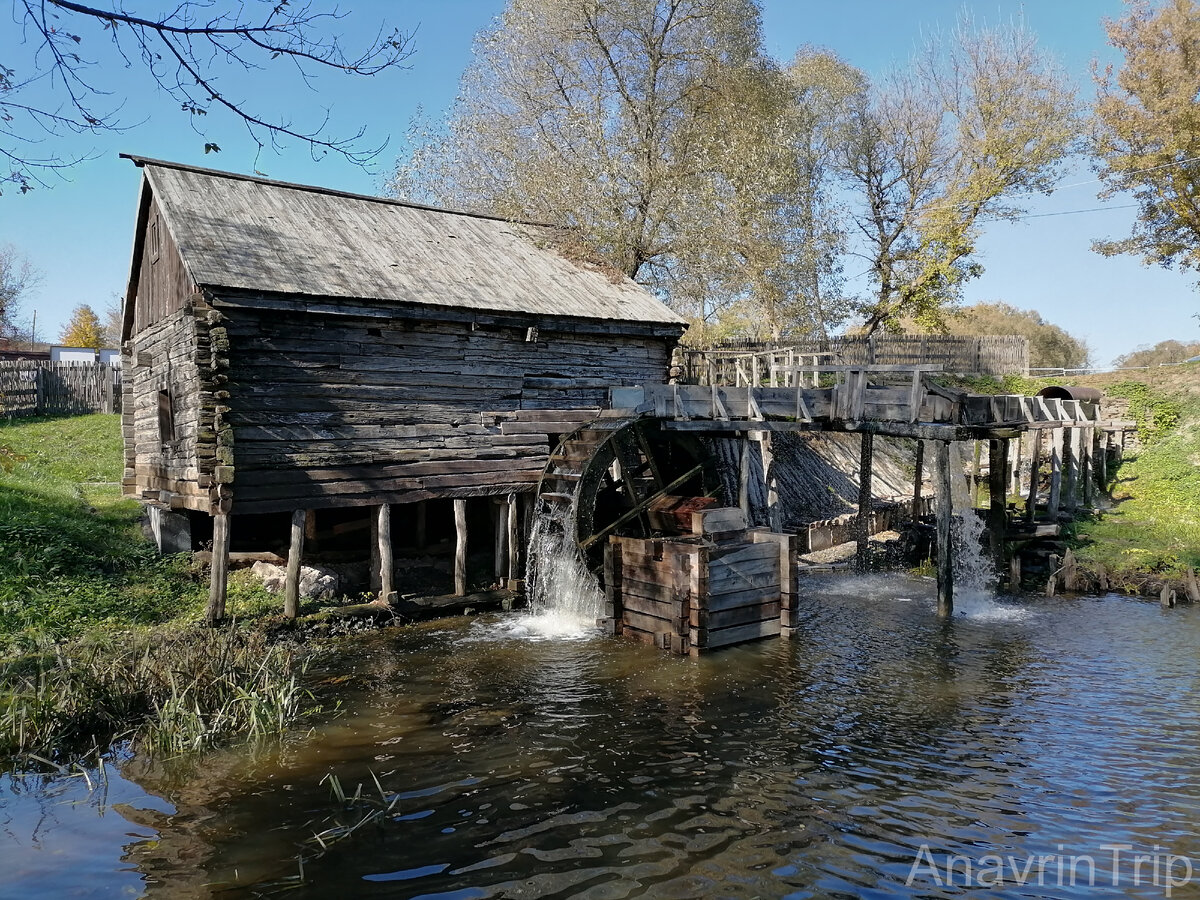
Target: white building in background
107,355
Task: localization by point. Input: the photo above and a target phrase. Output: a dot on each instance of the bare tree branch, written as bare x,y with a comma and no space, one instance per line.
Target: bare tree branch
181,51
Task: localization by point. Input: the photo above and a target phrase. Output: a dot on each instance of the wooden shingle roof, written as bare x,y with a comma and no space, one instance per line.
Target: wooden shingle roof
253,234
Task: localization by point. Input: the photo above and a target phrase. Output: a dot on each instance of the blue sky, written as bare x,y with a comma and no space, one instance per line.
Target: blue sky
79,233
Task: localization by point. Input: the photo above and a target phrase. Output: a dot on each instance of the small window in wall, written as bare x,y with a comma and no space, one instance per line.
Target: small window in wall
166,417
154,241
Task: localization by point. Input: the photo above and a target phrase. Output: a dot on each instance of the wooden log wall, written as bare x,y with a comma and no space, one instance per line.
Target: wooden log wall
331,410
30,387
178,448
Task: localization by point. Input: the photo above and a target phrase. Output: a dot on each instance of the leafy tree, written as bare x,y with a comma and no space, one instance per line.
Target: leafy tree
1169,351
654,129
1147,134
939,148
84,329
767,233
186,50
18,278
1049,345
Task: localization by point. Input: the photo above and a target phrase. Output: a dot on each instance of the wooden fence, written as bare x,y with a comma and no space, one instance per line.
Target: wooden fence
33,387
995,355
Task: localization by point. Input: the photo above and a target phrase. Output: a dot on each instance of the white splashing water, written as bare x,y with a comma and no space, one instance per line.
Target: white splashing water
974,575
564,598
973,572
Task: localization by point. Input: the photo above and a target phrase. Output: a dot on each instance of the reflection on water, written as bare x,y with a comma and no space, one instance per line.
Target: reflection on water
816,767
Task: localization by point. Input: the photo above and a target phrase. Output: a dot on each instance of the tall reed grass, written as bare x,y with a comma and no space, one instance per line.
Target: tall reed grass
170,690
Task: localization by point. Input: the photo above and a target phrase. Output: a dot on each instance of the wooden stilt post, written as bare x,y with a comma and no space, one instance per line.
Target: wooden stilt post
1035,471
460,547
376,583
1086,478
862,527
219,581
383,532
945,539
997,500
291,586
774,519
744,479
1103,442
1071,469
918,479
500,521
1016,460
1056,473
514,542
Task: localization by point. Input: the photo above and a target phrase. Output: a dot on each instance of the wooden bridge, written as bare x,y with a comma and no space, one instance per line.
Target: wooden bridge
771,395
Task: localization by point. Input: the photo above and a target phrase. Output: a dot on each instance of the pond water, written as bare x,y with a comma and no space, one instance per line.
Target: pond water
496,760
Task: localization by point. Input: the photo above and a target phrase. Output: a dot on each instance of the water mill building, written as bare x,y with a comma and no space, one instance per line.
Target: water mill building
363,371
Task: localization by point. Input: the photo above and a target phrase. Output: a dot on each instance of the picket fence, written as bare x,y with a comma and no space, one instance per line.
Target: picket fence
36,387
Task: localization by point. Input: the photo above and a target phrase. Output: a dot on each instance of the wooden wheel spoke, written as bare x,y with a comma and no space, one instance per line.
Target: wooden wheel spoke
641,507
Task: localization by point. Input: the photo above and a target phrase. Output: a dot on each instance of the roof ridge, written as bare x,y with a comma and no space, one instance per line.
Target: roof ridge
141,161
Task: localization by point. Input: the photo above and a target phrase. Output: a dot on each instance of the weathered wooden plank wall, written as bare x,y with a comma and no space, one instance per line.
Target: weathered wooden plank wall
38,387
163,285
333,410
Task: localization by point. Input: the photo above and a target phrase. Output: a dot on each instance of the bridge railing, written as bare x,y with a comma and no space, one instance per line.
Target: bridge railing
740,365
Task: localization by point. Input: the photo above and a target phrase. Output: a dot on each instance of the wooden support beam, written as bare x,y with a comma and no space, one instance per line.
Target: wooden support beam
918,476
997,500
1056,473
744,478
945,539
499,533
770,484
513,541
862,537
1071,469
1035,471
1018,457
219,580
1087,481
310,529
1103,443
383,532
291,585
376,568
460,547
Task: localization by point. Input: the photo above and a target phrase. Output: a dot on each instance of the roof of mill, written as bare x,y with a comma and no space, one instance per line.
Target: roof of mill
254,234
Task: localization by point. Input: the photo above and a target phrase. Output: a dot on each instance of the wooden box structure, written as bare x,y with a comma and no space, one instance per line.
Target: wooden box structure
721,585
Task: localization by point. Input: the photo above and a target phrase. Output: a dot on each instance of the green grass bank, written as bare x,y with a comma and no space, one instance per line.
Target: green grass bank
1150,532
99,635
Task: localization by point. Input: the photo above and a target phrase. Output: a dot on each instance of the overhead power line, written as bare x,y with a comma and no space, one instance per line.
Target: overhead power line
1061,212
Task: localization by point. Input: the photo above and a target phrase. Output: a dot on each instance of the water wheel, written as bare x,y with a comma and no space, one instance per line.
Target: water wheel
603,479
